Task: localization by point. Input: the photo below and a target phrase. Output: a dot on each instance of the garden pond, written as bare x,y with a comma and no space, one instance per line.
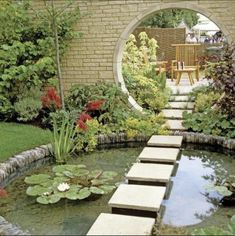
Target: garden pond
189,204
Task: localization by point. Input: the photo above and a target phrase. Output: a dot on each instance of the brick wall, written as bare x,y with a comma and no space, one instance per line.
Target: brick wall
106,24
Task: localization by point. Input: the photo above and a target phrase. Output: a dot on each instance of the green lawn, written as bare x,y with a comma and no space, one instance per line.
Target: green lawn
15,138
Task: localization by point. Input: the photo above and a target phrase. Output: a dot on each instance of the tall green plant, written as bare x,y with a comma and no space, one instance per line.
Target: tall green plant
63,139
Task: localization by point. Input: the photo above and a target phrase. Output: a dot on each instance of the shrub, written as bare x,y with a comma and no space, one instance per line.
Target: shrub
223,74
211,121
138,69
63,139
204,101
27,51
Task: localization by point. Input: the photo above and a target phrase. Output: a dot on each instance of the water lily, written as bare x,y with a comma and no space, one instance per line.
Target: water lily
63,187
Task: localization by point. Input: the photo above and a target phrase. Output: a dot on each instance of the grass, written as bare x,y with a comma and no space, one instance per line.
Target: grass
16,138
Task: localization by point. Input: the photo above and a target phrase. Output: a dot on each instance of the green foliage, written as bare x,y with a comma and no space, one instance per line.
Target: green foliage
87,139
205,101
170,18
63,143
223,73
146,125
211,121
139,73
217,231
73,182
28,105
27,51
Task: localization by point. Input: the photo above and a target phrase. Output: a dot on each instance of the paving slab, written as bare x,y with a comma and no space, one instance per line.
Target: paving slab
150,172
158,154
165,141
180,105
175,125
115,224
138,197
180,98
174,113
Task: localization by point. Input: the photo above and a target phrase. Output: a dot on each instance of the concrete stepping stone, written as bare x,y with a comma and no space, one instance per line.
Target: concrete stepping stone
180,105
159,155
174,113
165,141
183,90
113,224
180,98
153,173
140,200
175,125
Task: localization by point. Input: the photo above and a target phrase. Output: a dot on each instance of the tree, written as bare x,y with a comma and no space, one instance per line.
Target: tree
170,18
56,15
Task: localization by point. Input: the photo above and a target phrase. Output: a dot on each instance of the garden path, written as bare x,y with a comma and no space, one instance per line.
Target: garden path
180,102
136,205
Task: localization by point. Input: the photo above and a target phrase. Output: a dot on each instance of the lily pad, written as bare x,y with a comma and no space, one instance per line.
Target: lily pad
48,199
80,172
37,179
107,188
68,174
84,193
36,190
96,190
97,182
108,174
95,173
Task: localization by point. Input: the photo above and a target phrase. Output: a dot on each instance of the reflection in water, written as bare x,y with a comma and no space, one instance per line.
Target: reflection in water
190,203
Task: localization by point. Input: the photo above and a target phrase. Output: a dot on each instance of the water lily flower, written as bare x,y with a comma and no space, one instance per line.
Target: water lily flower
46,194
63,187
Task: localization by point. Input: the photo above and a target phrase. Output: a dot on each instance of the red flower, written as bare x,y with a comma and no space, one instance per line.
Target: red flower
94,105
81,124
84,117
82,121
3,192
50,99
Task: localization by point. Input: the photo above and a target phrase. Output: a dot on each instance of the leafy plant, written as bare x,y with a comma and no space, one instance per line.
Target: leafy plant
27,109
63,139
211,121
73,182
205,101
217,231
27,50
138,69
28,106
223,73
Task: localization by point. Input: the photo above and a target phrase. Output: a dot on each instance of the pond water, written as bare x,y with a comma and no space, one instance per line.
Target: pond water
189,203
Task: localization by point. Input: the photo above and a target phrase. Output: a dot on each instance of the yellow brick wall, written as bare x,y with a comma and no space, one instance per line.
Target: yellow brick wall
105,25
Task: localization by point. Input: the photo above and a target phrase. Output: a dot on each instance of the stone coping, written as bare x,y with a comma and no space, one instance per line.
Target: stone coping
17,162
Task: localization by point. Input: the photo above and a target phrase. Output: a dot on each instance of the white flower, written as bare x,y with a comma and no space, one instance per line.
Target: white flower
46,194
63,187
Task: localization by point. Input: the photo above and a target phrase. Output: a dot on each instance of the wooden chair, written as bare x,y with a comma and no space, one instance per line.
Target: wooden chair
188,54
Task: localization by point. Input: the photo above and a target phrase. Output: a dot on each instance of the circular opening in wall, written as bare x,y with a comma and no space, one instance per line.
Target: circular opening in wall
147,47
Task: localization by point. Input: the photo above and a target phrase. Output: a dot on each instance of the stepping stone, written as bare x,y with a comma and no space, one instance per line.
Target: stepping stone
159,155
180,105
113,224
177,114
137,199
158,173
165,141
179,98
181,90
175,125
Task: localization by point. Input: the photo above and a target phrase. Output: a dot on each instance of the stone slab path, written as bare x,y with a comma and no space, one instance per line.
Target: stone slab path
131,203
146,172
174,114
121,225
138,197
179,102
165,141
159,155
